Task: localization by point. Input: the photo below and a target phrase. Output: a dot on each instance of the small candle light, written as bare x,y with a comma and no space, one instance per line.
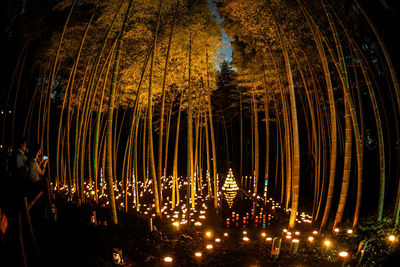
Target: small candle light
246,239
217,240
315,232
327,243
263,234
245,232
343,257
225,234
297,233
349,231
198,254
336,230
208,234
209,247
310,239
269,239
168,259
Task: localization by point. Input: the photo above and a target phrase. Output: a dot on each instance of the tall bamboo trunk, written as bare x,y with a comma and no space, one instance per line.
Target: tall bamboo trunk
150,117
110,181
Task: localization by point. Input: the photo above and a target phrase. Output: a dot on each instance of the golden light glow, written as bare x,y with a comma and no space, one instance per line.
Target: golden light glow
337,230
217,240
315,232
327,243
168,259
263,234
349,231
295,241
246,239
245,232
225,234
392,238
209,246
310,238
343,254
198,254
208,234
269,239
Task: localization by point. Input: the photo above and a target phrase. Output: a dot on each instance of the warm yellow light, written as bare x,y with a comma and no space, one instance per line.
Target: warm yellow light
208,234
392,238
295,241
297,233
176,224
349,231
315,232
263,234
245,232
327,243
288,237
198,254
209,246
337,230
269,239
246,239
343,254
225,234
168,259
310,238
217,240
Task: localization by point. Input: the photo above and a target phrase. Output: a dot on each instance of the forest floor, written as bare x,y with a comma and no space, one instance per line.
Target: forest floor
74,241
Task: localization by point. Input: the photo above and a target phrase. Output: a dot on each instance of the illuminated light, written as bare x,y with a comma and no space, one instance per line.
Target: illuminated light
392,238
343,254
198,254
288,237
225,234
315,232
297,233
289,233
208,234
295,241
285,230
197,223
168,259
209,246
269,239
310,238
263,234
350,231
337,230
327,243
245,232
246,239
217,240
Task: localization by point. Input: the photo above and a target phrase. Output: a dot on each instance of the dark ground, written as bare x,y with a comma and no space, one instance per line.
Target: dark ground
73,241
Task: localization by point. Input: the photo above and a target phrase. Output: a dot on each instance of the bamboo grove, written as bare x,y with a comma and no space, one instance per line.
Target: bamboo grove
120,85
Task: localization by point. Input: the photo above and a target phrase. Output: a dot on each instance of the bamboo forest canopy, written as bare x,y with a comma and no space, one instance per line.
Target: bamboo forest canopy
308,106
99,22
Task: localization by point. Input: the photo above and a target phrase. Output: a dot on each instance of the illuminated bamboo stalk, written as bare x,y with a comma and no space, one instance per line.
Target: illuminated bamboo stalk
346,169
167,137
378,123
212,136
175,187
393,76
110,117
150,117
256,144
189,159
160,137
